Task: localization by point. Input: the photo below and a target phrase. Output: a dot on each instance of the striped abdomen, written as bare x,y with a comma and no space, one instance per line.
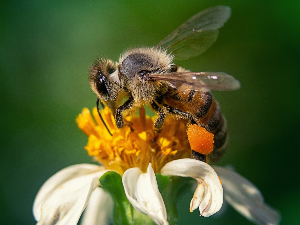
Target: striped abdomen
203,110
214,122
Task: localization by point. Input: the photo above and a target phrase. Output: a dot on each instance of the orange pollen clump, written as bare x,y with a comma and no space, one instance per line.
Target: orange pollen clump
200,139
136,144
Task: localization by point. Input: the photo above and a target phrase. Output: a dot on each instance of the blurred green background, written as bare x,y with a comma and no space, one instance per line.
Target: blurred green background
47,47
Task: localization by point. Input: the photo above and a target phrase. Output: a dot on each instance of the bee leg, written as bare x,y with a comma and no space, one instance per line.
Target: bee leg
195,155
119,118
162,114
159,122
198,156
161,118
178,112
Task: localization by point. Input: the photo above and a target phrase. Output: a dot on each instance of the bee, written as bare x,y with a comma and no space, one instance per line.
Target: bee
148,76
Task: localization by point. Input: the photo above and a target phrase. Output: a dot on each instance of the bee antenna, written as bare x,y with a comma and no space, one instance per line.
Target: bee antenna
98,101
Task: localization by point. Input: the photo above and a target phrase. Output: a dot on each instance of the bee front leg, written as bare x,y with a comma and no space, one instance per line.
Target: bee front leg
119,118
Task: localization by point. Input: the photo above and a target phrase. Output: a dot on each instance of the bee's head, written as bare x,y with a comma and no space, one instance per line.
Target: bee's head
100,79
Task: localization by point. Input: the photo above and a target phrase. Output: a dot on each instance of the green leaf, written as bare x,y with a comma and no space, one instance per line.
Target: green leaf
112,183
162,181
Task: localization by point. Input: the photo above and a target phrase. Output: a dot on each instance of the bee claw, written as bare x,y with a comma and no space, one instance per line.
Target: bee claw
198,156
158,130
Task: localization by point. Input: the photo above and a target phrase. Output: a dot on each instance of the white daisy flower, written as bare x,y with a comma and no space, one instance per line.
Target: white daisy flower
137,153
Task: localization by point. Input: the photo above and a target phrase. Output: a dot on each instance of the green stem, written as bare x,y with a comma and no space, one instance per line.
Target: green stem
124,213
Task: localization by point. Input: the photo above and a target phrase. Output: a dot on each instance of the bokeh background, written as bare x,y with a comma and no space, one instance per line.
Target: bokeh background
47,47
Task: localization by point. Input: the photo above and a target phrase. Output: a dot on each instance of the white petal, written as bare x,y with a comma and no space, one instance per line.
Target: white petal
142,191
196,200
209,193
246,198
62,199
99,210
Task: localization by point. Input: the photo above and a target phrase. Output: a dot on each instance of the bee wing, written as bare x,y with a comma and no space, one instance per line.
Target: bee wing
198,80
197,34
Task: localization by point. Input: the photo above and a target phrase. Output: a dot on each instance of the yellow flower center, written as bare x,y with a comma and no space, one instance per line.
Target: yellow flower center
136,144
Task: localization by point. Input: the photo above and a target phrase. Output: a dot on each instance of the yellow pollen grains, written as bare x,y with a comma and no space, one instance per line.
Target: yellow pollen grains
136,144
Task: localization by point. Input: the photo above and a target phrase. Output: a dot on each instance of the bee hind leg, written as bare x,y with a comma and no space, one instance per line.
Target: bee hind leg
195,155
198,156
162,114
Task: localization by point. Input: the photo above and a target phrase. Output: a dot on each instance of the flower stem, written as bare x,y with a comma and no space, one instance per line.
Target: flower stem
123,213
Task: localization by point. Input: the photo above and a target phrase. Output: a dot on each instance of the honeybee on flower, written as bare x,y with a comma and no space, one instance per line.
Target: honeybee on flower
133,150
148,76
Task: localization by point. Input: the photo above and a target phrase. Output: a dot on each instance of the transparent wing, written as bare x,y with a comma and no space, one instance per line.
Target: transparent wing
197,34
198,80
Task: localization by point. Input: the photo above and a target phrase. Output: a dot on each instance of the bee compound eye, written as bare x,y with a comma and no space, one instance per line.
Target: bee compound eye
101,83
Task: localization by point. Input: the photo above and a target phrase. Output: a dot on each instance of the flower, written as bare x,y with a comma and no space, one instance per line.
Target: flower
137,153
62,199
246,198
135,145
